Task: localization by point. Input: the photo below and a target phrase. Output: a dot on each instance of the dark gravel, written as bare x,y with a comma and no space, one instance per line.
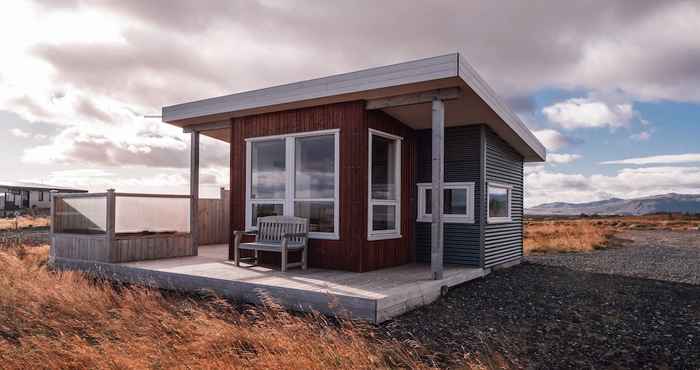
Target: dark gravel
661,255
552,317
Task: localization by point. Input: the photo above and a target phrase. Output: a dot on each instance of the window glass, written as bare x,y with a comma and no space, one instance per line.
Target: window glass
498,202
428,201
383,168
455,202
315,167
320,215
268,169
383,217
264,210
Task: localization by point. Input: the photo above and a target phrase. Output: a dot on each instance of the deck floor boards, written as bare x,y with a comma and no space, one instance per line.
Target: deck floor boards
375,296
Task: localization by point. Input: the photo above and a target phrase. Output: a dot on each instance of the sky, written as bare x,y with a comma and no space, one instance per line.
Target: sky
611,88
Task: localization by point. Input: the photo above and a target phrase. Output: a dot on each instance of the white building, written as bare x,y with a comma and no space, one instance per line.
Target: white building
24,195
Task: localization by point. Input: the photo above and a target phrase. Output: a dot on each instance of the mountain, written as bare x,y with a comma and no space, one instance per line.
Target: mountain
672,202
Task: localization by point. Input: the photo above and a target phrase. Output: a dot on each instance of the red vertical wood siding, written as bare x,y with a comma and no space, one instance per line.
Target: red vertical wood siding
352,251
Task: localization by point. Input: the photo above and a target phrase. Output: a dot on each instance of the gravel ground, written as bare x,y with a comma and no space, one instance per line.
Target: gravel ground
553,317
660,255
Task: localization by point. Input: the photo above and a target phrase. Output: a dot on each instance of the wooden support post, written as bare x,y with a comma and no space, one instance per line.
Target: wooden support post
111,200
194,192
52,224
438,134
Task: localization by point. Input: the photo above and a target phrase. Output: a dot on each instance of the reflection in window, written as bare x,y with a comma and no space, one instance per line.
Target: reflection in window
383,168
268,169
314,167
320,215
498,202
264,210
383,217
308,192
384,177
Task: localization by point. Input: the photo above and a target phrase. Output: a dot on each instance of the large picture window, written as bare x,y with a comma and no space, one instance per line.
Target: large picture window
499,203
295,175
458,202
384,191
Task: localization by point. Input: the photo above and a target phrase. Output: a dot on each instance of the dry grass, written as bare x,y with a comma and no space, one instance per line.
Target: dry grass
24,222
65,320
555,235
570,236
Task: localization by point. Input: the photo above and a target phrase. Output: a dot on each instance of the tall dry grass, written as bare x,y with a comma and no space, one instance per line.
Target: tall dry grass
565,236
23,222
65,320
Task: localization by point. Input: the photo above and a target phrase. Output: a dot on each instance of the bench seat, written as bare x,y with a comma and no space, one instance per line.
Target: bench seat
280,234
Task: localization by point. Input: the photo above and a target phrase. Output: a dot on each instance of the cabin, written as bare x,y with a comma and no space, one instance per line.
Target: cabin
409,179
18,196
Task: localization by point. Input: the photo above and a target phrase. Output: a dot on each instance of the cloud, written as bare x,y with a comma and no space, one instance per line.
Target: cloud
19,133
556,158
641,136
588,113
659,159
554,140
544,186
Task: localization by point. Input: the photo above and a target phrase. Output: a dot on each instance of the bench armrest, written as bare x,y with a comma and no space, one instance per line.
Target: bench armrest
252,232
292,235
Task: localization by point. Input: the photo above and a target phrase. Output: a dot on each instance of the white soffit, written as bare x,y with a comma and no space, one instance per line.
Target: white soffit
404,78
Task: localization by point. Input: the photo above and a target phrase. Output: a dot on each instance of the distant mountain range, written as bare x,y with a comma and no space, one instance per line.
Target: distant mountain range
672,202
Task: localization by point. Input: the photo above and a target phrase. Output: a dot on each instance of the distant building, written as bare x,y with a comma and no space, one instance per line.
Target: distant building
16,195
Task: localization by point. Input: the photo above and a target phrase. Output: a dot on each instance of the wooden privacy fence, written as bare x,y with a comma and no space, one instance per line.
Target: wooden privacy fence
214,220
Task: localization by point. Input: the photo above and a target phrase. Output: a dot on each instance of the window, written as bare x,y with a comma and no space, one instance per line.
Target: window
458,202
41,196
294,175
499,202
384,188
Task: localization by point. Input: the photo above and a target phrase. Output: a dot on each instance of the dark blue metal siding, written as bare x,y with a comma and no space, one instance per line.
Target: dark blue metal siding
503,242
462,242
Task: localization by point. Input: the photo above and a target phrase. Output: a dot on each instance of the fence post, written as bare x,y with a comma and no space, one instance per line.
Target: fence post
111,216
52,224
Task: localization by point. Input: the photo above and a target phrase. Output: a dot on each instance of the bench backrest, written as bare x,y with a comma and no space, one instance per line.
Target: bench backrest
273,228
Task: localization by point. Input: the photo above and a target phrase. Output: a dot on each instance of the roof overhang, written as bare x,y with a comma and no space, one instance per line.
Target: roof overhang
475,103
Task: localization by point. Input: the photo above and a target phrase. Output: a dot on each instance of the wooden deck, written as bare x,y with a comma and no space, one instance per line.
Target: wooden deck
374,296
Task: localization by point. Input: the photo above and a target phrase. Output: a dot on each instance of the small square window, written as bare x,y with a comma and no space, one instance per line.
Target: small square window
499,203
458,202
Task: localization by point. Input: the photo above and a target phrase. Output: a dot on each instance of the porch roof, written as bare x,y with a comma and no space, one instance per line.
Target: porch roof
476,102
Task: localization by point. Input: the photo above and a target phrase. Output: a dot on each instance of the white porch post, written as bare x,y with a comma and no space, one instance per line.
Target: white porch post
436,188
194,191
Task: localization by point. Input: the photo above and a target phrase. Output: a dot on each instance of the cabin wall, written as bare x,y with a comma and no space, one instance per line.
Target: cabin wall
391,252
352,251
461,242
503,242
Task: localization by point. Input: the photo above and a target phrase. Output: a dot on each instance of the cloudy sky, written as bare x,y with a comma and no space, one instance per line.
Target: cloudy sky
611,87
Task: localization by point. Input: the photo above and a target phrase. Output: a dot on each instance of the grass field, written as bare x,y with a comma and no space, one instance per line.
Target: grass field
23,222
65,320
553,235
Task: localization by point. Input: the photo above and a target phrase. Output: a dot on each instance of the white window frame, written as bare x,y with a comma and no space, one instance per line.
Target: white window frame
288,201
447,218
509,190
384,234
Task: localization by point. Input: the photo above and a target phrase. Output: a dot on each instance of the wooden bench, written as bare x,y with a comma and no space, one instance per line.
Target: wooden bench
280,234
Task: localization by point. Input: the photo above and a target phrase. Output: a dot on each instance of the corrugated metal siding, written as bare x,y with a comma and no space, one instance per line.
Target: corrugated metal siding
503,242
462,163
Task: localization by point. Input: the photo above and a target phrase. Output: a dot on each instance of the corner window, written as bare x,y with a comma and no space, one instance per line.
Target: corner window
294,175
384,190
458,202
499,203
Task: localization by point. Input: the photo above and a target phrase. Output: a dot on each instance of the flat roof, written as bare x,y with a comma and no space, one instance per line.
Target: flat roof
479,103
37,186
